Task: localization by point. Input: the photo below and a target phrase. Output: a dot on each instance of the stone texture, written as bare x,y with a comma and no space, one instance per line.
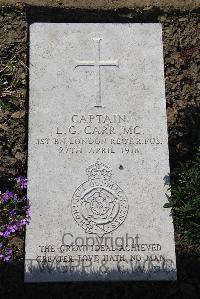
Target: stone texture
98,155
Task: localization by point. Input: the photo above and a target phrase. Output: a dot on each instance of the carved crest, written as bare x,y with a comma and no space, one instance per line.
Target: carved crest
99,205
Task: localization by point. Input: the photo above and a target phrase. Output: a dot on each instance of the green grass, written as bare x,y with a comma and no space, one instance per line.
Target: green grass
185,201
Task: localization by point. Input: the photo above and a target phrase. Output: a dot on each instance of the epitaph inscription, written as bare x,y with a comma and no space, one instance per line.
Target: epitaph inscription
98,154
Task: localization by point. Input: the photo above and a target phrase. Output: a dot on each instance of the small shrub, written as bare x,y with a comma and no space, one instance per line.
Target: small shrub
15,214
185,201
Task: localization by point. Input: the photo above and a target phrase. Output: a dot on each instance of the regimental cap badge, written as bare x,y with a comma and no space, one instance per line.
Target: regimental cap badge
98,171
99,205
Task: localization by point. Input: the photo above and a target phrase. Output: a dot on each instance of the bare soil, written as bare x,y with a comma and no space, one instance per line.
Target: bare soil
109,4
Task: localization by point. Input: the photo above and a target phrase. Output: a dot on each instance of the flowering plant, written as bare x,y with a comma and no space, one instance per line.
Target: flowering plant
15,214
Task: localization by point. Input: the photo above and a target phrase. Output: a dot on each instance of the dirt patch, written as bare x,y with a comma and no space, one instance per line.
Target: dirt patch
110,4
181,58
13,74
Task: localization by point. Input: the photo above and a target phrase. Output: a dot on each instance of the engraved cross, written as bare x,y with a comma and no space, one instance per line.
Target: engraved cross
97,63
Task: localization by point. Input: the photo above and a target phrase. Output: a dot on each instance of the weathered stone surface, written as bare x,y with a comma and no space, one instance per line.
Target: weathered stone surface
98,154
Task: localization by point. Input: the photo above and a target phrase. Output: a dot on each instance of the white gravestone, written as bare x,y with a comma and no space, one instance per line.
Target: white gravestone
98,165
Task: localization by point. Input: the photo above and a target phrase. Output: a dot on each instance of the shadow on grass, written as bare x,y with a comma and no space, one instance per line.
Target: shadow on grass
13,286
184,135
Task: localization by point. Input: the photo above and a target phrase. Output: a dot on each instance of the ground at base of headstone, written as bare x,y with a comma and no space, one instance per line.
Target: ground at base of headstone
186,287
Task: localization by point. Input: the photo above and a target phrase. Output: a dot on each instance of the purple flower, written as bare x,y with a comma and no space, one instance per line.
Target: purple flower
28,214
9,251
7,195
15,198
24,198
16,214
6,233
24,221
7,255
12,212
12,228
22,181
7,258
